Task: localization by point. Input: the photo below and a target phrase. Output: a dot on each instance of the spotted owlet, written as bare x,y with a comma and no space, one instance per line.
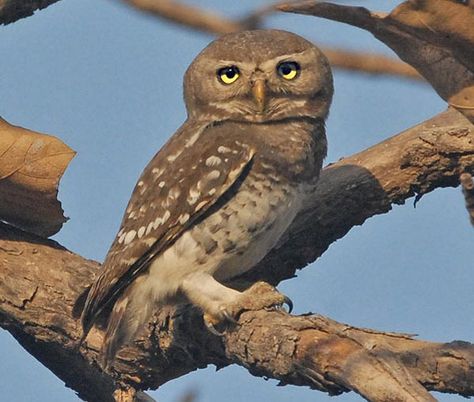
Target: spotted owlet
225,187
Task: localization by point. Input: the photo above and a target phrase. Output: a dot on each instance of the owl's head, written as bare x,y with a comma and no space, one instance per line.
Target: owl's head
258,76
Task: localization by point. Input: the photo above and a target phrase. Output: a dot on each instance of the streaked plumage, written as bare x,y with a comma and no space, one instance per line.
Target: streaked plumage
219,195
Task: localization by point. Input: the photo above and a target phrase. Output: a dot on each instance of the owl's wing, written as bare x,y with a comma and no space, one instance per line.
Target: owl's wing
189,175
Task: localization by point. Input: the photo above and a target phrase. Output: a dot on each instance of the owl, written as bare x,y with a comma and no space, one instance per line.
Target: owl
222,191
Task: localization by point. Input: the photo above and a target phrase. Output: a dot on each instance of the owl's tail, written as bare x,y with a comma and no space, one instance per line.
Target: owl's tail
129,316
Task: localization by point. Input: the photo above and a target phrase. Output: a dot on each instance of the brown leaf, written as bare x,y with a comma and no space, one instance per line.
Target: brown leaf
31,165
434,36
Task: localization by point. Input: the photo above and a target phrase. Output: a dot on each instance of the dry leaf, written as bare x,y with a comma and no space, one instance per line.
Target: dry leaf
31,165
434,36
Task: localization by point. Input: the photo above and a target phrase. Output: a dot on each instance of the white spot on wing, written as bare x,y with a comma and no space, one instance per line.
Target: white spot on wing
174,193
172,158
193,196
141,232
149,228
213,175
200,205
183,218
122,238
190,142
157,172
166,216
161,184
223,150
129,237
213,161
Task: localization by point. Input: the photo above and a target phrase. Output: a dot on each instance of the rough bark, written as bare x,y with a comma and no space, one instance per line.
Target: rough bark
43,284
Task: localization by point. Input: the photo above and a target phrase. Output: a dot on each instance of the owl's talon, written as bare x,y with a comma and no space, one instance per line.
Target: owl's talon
211,321
210,327
229,318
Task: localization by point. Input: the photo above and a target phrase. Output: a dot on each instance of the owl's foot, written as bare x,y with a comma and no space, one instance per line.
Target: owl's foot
223,305
259,296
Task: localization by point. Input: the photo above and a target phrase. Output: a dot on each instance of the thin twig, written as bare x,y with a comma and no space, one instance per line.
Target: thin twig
189,16
370,63
216,24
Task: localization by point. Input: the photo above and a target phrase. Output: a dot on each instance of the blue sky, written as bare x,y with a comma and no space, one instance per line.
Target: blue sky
107,81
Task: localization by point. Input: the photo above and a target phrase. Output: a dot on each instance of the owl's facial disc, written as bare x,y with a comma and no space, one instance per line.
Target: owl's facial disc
259,76
258,87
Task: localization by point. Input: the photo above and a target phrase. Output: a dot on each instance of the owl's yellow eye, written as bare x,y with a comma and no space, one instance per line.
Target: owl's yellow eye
288,70
228,75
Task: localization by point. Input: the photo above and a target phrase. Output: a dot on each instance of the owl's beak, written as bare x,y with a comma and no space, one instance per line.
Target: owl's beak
259,94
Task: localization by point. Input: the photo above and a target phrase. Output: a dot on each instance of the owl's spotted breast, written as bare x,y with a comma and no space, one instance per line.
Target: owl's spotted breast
237,236
241,228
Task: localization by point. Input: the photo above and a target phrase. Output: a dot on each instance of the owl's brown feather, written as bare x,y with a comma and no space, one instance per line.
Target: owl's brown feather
224,189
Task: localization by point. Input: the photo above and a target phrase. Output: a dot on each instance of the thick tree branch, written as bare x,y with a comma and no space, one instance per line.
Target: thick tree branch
42,281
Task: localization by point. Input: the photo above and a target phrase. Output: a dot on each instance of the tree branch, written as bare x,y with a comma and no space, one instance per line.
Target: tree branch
43,281
213,23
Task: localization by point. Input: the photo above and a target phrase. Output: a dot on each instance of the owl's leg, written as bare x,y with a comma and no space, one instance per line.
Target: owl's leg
210,296
220,303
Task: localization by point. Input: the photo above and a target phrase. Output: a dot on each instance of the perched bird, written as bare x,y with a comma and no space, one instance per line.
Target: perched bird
225,187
